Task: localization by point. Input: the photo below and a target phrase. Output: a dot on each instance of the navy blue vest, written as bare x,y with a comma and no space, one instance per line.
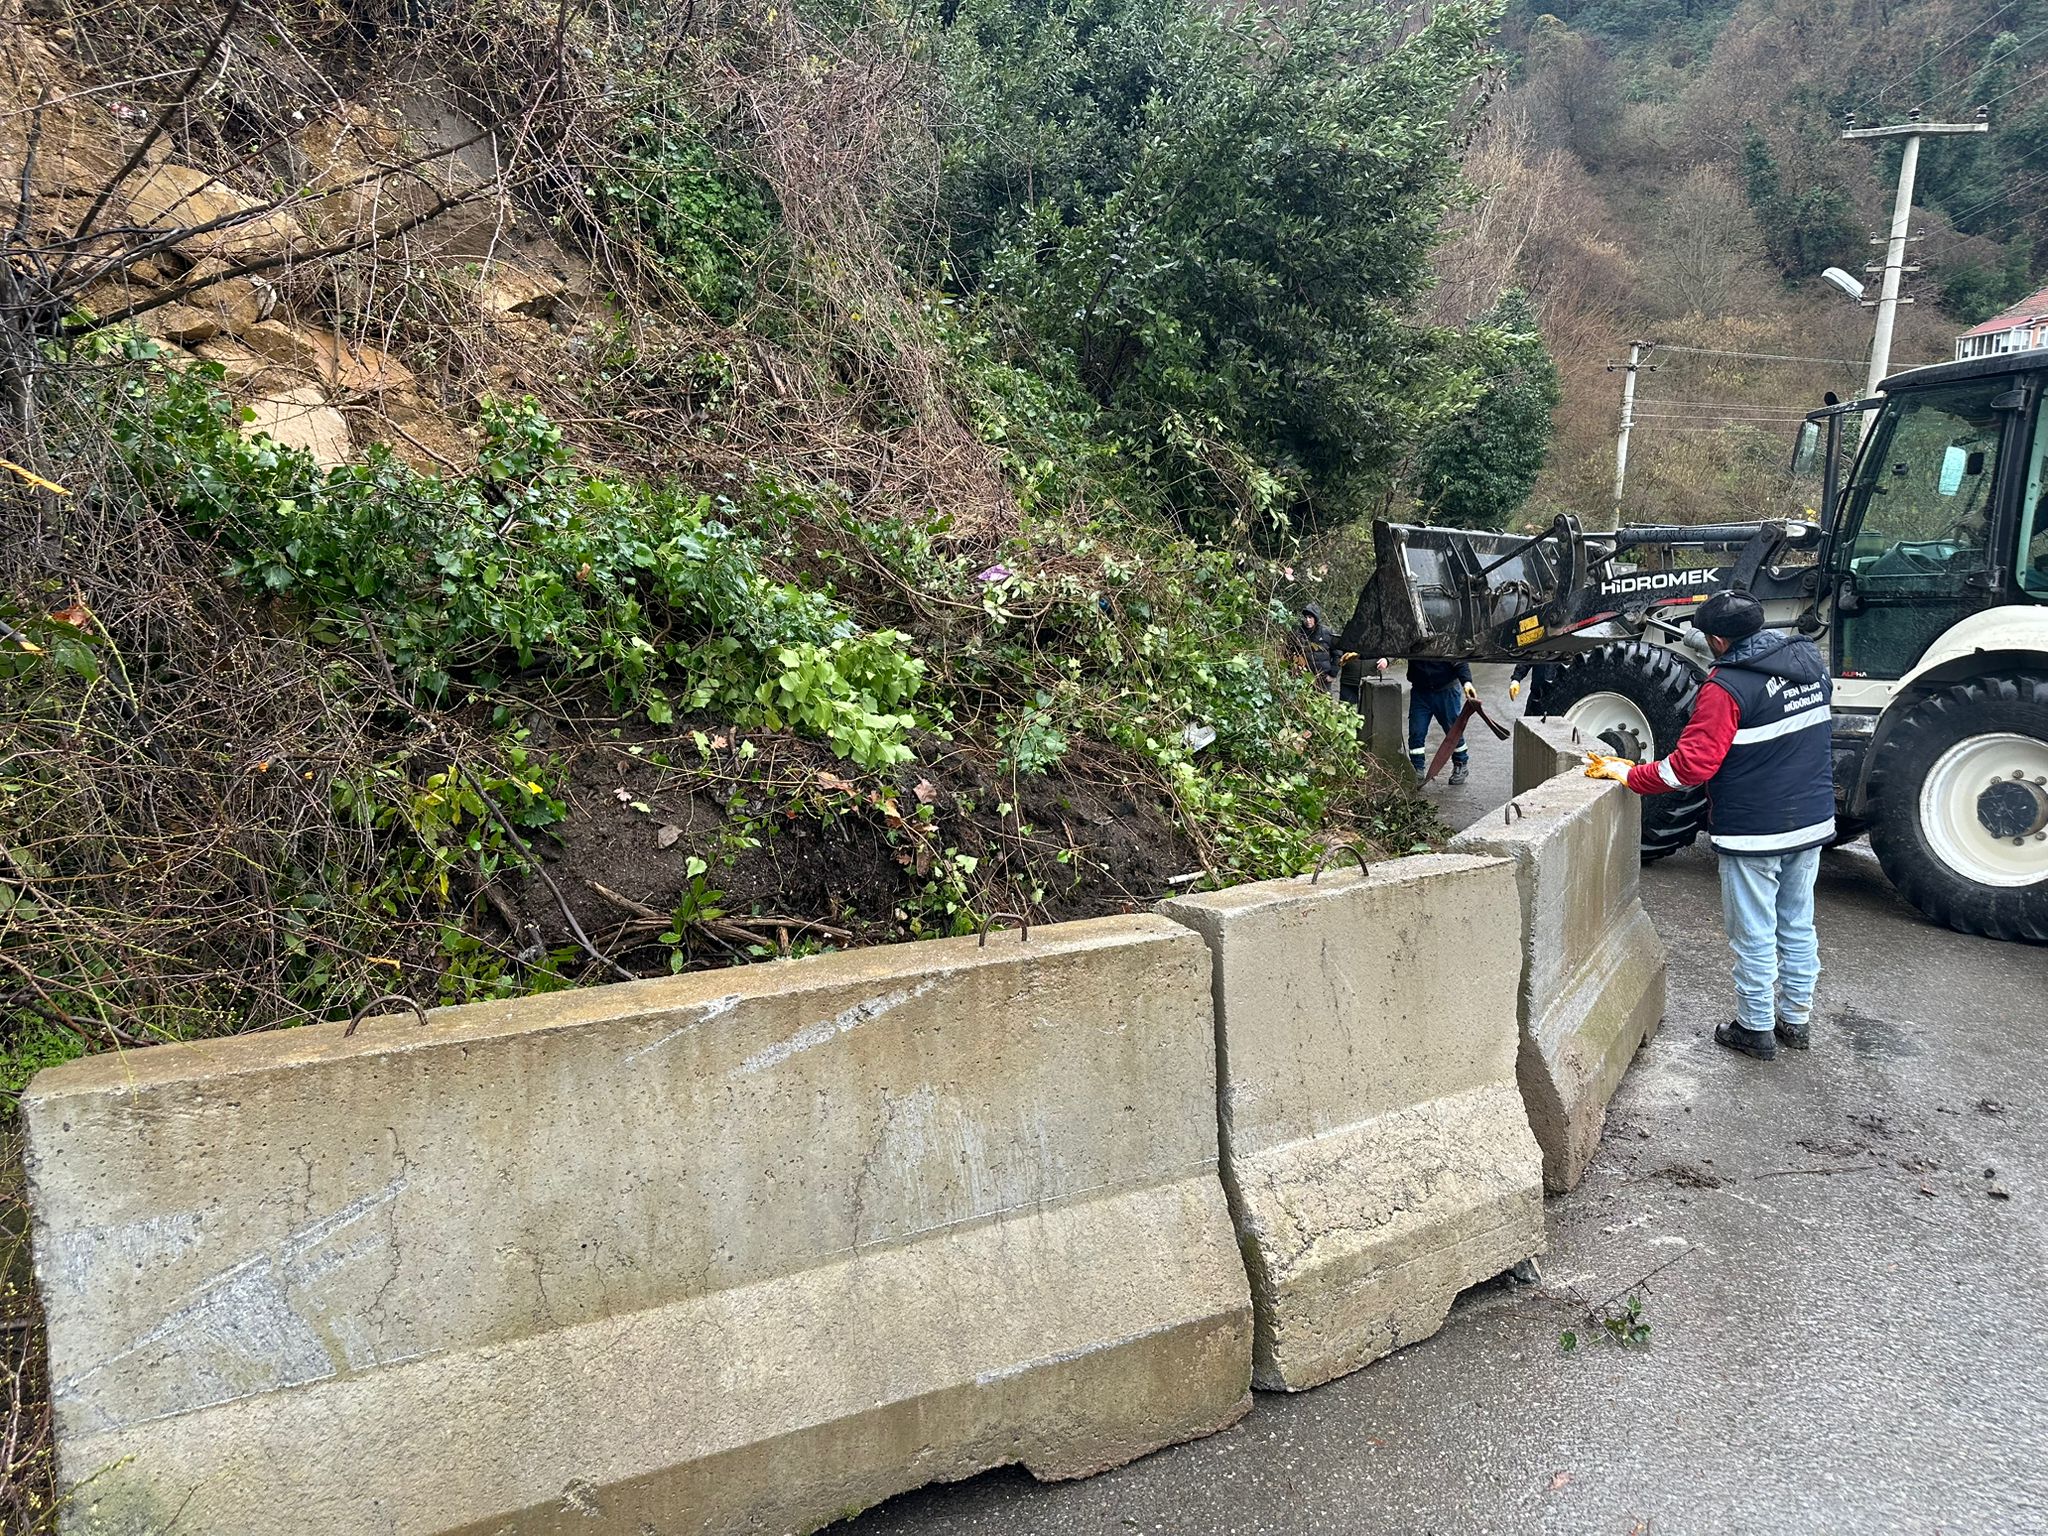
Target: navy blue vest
1775,792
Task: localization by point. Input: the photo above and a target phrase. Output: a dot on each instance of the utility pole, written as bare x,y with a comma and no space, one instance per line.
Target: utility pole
1629,370
1912,131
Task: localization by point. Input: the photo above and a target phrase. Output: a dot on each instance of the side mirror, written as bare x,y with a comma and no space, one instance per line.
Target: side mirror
1807,451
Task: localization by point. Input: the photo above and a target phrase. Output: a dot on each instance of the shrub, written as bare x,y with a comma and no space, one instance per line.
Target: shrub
705,218
529,565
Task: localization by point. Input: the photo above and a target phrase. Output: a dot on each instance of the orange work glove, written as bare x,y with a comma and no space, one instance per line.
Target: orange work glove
1602,767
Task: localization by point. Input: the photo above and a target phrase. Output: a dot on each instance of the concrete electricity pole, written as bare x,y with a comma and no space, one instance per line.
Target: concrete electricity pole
1630,369
1912,132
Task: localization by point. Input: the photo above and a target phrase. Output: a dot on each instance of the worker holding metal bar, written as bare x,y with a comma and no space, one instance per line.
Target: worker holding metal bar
1759,739
1438,690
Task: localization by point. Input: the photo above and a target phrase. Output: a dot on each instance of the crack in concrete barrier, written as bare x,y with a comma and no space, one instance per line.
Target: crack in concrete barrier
716,1008
812,1035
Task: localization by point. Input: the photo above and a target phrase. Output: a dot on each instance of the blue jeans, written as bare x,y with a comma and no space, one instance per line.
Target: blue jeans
1443,707
1767,906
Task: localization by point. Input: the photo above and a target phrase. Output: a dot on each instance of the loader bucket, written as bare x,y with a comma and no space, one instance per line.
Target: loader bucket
1454,592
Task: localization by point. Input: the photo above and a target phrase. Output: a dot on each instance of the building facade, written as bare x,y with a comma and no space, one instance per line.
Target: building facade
2020,328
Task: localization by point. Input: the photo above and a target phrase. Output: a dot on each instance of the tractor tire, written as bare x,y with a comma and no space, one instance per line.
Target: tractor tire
1961,793
1652,686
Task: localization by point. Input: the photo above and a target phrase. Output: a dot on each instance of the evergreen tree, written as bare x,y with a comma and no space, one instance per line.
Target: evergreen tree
1216,223
1476,470
1804,232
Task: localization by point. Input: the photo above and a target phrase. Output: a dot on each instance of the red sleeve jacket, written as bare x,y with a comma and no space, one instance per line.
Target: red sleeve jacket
1701,746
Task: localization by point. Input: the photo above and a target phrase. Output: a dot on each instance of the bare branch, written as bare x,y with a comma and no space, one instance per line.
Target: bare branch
163,121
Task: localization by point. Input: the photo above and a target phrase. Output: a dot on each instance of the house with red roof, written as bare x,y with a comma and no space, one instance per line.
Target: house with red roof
2023,326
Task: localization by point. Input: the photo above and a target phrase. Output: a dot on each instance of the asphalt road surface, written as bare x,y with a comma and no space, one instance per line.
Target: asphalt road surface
1839,1255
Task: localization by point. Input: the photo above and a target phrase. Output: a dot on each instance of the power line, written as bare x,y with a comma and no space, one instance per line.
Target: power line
1754,426
2004,196
1726,407
1760,418
1985,68
1954,43
2038,74
1764,357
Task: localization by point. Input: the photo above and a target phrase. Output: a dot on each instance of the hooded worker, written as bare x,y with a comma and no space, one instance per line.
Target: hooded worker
1760,741
1313,645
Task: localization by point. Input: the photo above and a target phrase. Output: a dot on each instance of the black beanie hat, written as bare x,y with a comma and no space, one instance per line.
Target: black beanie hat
1729,615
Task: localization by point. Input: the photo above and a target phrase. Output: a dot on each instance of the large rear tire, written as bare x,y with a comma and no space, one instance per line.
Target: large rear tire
1636,697
1961,790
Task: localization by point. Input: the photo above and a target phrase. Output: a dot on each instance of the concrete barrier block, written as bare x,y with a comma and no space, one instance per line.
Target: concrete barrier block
1384,705
1545,749
734,1252
1592,967
1375,1147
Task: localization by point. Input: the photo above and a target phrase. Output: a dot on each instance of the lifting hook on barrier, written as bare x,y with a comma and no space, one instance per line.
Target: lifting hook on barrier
1511,813
378,1002
1023,923
1364,868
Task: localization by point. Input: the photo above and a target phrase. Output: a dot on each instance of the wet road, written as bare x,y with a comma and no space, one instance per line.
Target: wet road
1840,1258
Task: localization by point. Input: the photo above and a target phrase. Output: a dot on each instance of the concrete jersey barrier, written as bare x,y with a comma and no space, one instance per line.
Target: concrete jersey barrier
740,1251
1546,747
1592,966
1375,1146
1383,706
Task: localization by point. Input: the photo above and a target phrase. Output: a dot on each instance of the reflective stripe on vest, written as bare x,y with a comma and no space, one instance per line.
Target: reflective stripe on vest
1779,842
1775,790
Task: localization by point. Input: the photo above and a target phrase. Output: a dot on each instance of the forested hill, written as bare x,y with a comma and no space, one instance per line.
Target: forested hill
1674,169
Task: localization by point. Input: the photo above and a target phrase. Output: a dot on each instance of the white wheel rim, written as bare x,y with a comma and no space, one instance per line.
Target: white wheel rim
2002,776
1599,716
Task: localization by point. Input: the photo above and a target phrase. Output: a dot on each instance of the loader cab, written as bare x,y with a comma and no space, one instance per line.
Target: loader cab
1943,515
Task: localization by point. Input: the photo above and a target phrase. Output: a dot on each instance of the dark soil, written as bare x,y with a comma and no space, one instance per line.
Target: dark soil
798,846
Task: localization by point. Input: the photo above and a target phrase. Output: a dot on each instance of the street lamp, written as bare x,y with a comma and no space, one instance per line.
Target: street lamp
1842,280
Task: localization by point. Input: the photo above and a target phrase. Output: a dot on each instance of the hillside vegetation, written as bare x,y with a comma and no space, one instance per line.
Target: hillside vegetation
1672,170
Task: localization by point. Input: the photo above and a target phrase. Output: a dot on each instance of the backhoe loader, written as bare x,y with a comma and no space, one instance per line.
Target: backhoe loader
1924,580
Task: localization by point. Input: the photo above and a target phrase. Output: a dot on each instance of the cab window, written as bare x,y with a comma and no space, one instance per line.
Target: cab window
1925,492
1919,524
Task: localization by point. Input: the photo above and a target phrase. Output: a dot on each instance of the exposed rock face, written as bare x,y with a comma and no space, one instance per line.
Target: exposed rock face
184,324
169,197
239,302
301,418
356,172
239,363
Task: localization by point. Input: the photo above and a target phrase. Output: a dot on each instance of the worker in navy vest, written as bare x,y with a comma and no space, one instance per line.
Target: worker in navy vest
1759,740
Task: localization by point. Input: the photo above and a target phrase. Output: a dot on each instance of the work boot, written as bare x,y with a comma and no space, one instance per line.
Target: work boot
1760,1043
1795,1037
1460,772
